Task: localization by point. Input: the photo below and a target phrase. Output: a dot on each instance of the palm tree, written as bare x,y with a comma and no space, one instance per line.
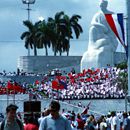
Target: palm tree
44,36
29,36
64,27
73,26
58,24
56,32
52,34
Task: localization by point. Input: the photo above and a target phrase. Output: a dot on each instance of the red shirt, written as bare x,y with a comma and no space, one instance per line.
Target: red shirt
30,127
80,124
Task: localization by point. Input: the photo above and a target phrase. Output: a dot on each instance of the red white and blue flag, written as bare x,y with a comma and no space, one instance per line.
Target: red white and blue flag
59,85
85,111
116,23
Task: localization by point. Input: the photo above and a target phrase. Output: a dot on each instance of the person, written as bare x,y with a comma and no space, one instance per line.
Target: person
103,124
11,122
126,122
89,125
18,71
1,117
80,122
45,113
108,121
54,121
102,41
31,125
74,123
115,122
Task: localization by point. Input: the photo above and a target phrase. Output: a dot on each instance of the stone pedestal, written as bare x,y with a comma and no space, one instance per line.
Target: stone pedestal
97,59
43,64
93,61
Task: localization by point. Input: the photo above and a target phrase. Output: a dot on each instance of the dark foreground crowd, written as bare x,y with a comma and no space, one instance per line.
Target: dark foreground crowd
55,119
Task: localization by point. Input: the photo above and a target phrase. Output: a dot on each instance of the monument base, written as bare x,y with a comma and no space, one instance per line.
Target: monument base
101,60
42,64
97,59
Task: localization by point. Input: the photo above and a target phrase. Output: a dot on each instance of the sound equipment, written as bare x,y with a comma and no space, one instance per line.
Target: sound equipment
32,106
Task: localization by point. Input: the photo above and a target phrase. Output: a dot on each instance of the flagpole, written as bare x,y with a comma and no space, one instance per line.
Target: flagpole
128,39
14,93
58,92
7,93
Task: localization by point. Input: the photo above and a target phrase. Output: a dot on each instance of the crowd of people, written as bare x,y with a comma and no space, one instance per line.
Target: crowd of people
53,118
90,84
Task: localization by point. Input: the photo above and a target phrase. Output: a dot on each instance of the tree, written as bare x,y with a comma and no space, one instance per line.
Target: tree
58,24
43,36
73,26
122,81
64,27
122,65
29,36
56,32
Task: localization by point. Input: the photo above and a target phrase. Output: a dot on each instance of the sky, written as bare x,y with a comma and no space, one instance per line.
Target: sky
13,13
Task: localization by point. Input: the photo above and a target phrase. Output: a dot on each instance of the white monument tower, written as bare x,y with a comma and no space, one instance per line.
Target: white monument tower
102,41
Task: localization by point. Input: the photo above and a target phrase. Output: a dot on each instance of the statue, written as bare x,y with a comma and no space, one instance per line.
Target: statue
102,41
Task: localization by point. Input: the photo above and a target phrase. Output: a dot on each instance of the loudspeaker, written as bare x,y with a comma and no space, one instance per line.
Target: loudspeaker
32,106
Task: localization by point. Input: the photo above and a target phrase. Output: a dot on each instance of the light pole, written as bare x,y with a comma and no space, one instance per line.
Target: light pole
128,40
28,2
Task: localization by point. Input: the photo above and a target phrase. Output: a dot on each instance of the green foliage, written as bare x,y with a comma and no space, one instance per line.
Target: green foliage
122,65
122,81
29,35
54,32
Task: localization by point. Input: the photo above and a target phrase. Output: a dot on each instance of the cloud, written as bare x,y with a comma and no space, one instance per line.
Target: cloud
13,12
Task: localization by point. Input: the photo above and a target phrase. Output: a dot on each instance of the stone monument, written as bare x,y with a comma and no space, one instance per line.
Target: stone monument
102,41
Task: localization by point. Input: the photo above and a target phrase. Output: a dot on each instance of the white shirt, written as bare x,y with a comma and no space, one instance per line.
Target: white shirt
115,121
102,125
74,125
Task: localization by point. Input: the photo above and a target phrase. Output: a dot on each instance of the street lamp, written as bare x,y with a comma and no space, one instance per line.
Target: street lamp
28,2
128,44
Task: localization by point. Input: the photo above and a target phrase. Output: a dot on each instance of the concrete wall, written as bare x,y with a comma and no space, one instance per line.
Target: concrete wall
45,63
42,64
119,57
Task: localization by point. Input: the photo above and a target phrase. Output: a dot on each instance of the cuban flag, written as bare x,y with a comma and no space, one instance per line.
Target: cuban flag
116,23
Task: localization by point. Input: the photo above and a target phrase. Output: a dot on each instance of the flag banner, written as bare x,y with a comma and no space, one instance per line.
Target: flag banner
14,87
116,23
58,84
85,111
55,84
9,85
37,82
63,84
